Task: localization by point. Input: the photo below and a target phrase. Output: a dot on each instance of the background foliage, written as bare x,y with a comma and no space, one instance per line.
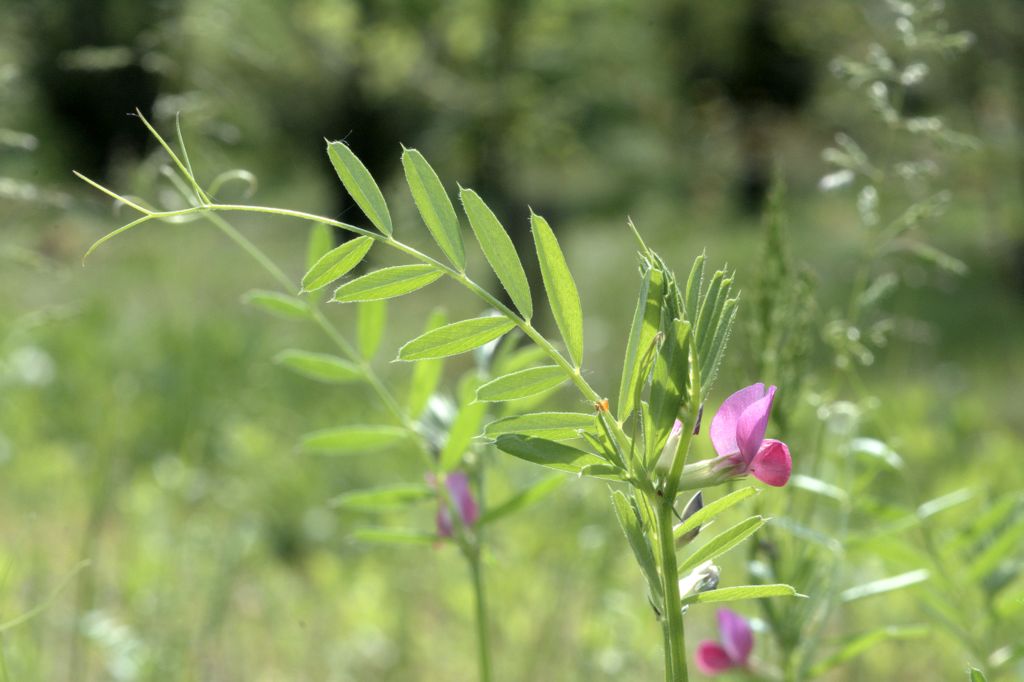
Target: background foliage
143,425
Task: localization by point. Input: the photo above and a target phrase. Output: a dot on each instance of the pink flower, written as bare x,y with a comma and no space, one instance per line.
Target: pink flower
733,652
737,432
458,490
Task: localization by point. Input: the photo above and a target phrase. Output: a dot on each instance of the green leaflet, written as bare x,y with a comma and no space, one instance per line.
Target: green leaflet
319,366
360,185
455,338
498,249
387,283
351,440
722,543
465,427
426,374
896,582
384,498
558,282
320,242
434,206
547,453
629,520
336,263
694,284
370,324
709,511
522,384
669,382
549,425
276,303
508,361
522,499
976,675
742,592
646,322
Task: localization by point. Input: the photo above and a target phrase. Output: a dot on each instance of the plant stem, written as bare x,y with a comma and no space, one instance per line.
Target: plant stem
675,656
479,594
527,328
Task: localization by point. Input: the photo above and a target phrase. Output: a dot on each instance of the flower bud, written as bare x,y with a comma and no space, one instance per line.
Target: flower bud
668,453
700,579
695,504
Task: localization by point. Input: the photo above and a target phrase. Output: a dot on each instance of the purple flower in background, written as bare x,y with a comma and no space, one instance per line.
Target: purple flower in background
733,651
737,432
458,490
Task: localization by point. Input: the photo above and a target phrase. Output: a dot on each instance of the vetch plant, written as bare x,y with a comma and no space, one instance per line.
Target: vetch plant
639,441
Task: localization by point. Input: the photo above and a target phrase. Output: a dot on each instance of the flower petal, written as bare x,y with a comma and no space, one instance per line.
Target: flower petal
772,463
712,659
723,426
458,488
737,637
752,424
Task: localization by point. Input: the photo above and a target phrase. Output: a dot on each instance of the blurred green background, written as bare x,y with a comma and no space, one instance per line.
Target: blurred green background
144,427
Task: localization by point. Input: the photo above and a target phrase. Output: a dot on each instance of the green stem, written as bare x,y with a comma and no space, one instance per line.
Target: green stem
572,371
675,656
482,636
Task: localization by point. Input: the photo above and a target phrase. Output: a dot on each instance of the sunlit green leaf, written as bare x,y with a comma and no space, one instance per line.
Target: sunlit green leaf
319,366
455,338
669,381
629,520
384,498
350,440
387,283
723,542
560,286
499,250
276,303
646,322
549,425
435,206
740,592
975,675
522,384
713,509
546,452
360,185
336,263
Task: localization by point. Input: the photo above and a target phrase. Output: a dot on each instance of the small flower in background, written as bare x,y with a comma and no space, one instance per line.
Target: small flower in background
737,432
734,650
457,483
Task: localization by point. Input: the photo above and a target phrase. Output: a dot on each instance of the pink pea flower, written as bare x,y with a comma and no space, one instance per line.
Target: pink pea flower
714,658
737,432
458,490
